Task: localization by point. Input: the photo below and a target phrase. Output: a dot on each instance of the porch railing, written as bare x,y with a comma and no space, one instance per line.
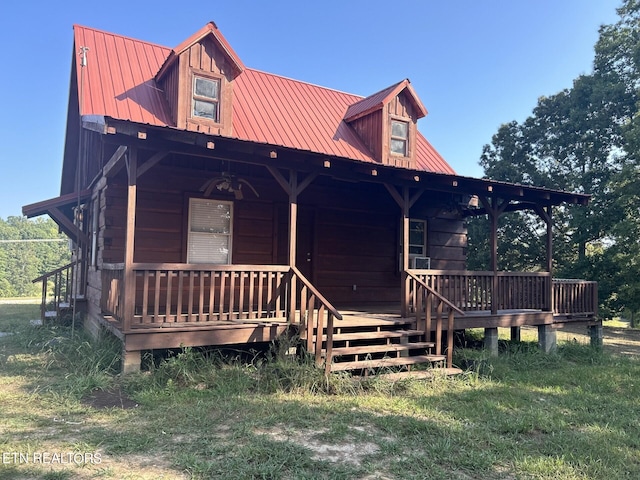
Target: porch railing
57,288
474,291
427,303
485,291
575,297
176,295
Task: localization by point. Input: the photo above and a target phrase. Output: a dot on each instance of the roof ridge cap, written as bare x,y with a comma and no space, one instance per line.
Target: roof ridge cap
104,32
304,82
390,87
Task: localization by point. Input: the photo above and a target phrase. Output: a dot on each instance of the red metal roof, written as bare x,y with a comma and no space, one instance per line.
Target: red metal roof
119,82
377,100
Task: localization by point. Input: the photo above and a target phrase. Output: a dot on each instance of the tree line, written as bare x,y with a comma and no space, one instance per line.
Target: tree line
28,249
584,139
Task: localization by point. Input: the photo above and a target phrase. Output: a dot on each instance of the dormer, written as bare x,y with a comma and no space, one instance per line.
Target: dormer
387,123
197,79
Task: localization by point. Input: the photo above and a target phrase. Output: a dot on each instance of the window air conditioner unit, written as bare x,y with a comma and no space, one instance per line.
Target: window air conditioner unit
421,263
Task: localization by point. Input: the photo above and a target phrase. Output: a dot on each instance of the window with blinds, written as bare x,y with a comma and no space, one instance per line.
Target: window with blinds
210,227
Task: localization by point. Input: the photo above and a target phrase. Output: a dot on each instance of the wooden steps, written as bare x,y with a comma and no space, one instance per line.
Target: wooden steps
386,362
400,347
368,345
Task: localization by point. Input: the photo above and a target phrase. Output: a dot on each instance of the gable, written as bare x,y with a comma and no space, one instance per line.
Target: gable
387,123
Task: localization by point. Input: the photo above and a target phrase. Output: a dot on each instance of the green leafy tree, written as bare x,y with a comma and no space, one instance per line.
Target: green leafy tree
583,139
26,257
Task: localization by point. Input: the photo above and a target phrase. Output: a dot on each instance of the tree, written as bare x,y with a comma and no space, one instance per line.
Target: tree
584,139
25,257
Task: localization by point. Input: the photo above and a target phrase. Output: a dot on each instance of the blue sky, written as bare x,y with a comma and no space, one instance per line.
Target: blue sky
474,64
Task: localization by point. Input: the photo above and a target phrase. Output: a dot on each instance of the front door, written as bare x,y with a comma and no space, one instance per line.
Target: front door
305,257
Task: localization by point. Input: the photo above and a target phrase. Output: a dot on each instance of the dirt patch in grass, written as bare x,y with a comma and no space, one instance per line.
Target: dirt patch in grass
350,452
619,341
112,398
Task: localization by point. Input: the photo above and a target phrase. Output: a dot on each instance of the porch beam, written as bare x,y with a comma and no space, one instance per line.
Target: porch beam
153,161
116,162
67,226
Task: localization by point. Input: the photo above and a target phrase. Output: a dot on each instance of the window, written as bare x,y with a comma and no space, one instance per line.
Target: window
210,227
206,98
399,137
417,238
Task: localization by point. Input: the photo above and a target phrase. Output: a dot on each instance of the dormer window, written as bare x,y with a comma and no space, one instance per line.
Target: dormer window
206,98
399,138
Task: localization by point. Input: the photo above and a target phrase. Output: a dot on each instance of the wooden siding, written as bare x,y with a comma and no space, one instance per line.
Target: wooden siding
369,129
170,84
399,108
348,233
205,58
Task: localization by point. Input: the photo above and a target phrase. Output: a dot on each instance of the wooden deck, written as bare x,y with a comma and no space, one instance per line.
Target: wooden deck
175,305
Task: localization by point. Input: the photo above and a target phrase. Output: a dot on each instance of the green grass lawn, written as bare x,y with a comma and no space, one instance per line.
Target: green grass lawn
573,415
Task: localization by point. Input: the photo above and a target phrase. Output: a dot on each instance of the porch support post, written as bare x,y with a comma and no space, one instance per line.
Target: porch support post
405,252
131,361
547,338
595,334
491,341
494,210
545,213
515,334
129,274
293,188
405,202
293,237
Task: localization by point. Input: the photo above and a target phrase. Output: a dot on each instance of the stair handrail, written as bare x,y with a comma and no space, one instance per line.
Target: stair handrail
44,278
53,272
450,317
331,313
431,290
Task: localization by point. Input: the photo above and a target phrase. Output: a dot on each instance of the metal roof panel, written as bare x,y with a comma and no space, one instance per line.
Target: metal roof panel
119,82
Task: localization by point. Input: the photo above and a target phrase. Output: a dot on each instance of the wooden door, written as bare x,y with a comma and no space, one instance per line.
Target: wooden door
305,253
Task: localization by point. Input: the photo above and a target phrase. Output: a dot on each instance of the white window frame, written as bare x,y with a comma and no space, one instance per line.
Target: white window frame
201,98
393,137
228,235
423,253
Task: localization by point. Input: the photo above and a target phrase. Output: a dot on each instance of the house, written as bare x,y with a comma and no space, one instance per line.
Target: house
214,204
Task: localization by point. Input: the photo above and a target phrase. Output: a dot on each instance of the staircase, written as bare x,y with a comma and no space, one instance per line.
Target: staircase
367,345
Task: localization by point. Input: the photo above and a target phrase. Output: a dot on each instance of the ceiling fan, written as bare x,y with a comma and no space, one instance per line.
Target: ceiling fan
227,183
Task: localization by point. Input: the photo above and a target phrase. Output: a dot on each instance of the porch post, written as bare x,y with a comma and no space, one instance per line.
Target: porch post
549,220
493,217
293,231
545,213
129,275
405,252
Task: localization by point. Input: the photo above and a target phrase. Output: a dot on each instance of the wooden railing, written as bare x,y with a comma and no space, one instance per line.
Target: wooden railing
575,297
112,299
426,303
474,291
57,288
192,294
314,308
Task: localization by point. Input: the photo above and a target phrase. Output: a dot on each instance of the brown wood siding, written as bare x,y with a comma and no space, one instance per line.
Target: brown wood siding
399,108
206,58
369,129
447,243
169,85
348,231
